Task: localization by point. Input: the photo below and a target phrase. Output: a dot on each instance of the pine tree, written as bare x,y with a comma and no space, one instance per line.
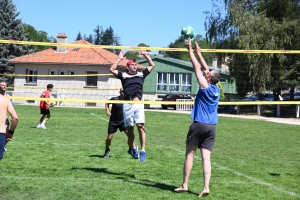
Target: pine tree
79,37
98,35
11,28
90,38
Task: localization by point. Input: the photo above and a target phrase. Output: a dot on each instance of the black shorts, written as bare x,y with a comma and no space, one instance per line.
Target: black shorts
202,135
45,111
114,128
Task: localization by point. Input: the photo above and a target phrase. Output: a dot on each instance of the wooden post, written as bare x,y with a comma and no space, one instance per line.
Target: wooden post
278,110
297,110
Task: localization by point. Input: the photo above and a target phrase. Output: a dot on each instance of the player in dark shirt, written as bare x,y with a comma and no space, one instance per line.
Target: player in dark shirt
116,121
133,82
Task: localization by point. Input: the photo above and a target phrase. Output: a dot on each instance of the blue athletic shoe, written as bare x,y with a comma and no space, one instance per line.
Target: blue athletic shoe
134,152
142,156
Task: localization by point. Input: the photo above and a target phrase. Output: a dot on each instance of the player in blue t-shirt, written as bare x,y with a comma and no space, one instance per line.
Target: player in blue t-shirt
202,131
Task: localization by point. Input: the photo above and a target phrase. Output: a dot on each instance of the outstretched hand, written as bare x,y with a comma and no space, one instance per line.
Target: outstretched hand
143,52
122,55
197,48
188,44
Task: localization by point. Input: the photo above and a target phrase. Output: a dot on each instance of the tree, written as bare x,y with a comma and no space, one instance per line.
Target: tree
89,38
11,28
109,38
37,36
79,37
180,43
258,24
98,35
134,55
144,45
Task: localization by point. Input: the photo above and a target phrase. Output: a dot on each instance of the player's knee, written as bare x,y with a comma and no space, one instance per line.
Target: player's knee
48,116
140,126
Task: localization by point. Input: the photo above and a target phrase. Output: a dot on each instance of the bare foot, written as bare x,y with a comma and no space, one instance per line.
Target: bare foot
181,189
204,193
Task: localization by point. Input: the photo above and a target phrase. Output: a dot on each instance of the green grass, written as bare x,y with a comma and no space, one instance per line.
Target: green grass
252,159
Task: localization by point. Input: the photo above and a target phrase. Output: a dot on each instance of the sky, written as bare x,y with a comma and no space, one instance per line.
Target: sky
156,23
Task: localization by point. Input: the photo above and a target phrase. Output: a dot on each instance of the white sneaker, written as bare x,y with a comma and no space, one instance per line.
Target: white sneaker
43,127
38,126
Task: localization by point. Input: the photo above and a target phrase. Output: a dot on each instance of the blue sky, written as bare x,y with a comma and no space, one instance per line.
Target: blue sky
154,22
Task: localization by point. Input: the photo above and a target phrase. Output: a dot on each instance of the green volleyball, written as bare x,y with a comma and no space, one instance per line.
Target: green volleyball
187,32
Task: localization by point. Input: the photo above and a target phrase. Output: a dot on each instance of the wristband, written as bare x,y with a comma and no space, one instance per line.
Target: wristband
11,132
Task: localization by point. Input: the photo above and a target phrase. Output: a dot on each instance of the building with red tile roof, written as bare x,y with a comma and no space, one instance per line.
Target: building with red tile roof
70,69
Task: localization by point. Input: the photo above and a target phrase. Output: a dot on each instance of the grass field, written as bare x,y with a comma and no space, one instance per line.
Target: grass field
252,159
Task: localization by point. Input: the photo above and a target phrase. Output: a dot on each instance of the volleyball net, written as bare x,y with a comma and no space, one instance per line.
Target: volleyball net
80,74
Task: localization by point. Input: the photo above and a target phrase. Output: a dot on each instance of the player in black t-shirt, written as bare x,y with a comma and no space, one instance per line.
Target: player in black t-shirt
116,121
133,82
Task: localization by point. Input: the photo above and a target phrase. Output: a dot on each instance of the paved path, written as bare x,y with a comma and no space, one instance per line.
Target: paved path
293,121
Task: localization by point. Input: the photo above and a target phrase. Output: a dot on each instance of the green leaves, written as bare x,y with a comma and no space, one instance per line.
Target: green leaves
253,25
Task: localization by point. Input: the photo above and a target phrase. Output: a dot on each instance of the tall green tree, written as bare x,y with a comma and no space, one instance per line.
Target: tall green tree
109,38
11,28
98,35
89,38
258,24
37,36
79,36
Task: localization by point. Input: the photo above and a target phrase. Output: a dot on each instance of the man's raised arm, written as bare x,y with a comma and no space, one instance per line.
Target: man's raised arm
150,61
203,64
113,68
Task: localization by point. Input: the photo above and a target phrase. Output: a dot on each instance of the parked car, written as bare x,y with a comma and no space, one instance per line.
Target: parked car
173,97
260,97
257,97
287,96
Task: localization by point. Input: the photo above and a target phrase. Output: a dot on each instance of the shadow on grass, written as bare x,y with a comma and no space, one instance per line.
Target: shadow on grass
124,176
98,156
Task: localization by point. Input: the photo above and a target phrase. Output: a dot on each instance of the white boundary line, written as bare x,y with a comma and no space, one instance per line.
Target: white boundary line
99,117
255,180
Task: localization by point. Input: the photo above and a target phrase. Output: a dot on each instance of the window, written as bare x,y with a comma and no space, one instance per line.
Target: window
91,80
51,72
90,104
30,78
174,82
71,73
186,82
162,81
30,101
61,72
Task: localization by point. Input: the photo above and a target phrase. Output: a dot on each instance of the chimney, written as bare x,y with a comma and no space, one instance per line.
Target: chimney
61,38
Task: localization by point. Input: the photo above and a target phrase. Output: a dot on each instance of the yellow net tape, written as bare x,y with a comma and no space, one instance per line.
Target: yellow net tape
156,102
146,48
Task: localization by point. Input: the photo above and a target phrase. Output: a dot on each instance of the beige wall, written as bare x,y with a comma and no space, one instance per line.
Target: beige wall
66,87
